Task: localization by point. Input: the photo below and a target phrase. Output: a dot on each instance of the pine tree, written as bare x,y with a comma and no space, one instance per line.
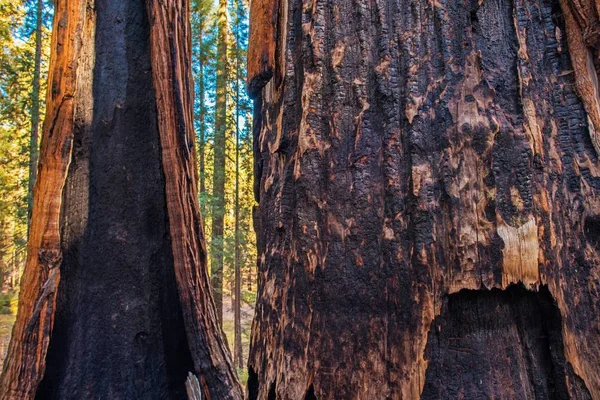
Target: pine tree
17,63
237,348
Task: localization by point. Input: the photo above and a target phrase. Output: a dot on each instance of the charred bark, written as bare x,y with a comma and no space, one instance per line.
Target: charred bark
426,177
117,255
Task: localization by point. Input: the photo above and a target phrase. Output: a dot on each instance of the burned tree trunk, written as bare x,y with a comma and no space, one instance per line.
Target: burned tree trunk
429,199
115,301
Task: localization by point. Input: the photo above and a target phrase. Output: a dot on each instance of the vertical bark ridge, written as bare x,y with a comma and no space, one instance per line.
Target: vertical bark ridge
170,48
583,36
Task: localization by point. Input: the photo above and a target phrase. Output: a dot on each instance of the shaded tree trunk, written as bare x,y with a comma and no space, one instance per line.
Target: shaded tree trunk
218,210
115,300
429,209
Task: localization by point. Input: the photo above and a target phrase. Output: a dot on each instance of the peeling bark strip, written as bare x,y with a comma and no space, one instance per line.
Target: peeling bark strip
416,164
583,36
170,49
261,54
25,362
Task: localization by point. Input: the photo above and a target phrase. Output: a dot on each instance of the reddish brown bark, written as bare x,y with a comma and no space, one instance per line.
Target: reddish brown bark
171,55
583,37
261,54
427,191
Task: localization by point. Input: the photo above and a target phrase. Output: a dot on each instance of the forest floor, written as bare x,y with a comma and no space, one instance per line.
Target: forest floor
247,314
7,321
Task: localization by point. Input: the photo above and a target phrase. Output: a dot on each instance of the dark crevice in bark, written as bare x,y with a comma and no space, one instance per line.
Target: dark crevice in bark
259,82
272,392
478,329
310,393
252,384
258,163
591,229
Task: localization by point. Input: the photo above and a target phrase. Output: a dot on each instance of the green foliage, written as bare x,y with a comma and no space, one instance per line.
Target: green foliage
242,375
249,296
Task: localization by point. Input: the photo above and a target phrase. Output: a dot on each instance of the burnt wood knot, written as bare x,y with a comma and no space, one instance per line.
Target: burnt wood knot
50,258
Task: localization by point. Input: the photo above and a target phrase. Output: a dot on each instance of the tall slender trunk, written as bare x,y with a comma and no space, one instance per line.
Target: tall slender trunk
429,202
218,211
35,108
238,355
115,298
4,246
202,118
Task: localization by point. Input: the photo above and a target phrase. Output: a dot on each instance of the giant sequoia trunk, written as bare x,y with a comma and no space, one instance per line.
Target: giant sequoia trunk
115,301
429,199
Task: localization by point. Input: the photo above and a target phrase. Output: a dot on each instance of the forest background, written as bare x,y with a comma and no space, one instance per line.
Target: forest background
222,122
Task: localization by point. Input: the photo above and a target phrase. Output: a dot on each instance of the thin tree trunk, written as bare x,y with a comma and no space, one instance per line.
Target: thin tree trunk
202,118
429,207
4,245
238,355
115,298
218,211
35,109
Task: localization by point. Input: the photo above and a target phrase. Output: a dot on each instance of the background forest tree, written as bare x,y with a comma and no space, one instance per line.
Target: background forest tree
18,105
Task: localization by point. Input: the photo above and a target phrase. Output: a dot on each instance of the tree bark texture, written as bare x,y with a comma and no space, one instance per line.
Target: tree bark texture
429,209
116,219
